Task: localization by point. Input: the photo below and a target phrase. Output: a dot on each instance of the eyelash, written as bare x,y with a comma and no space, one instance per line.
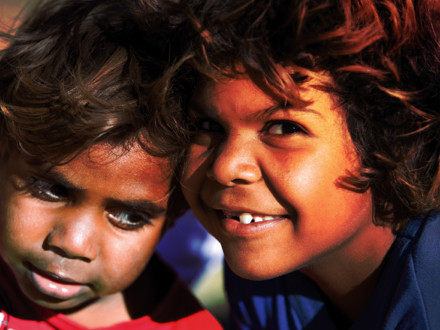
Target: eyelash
53,193
141,219
46,191
294,128
199,124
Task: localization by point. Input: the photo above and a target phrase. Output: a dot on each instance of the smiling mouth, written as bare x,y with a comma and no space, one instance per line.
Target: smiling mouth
247,218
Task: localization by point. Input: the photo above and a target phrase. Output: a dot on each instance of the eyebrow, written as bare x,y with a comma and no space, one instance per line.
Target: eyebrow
56,176
263,114
147,206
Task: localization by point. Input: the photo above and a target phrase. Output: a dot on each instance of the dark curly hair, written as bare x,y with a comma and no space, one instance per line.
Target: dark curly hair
81,72
383,58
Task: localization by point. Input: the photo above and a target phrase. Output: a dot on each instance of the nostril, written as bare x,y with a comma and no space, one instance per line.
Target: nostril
237,171
240,181
69,250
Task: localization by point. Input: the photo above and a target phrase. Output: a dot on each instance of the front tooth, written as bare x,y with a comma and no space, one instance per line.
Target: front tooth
268,217
258,219
246,218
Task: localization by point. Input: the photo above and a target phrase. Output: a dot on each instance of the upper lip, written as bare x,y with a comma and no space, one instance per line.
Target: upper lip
237,212
52,276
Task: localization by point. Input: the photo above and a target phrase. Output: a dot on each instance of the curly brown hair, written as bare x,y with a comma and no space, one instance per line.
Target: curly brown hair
77,73
383,58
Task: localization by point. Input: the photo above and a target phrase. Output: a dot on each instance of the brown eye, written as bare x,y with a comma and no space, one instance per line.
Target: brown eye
128,220
206,132
47,191
208,125
283,127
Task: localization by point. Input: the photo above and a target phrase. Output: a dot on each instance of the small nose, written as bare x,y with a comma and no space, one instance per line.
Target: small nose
74,236
235,162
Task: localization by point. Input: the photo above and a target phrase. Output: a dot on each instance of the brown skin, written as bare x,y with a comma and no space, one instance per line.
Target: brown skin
87,221
251,155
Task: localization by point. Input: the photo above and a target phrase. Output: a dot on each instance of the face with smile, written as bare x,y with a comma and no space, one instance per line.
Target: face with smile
262,177
79,232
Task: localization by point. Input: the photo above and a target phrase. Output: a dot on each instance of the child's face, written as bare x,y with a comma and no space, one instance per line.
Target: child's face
86,229
251,155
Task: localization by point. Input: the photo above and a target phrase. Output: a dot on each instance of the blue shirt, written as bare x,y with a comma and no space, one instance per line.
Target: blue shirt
407,295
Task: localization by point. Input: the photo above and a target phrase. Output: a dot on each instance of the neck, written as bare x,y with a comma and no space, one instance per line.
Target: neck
348,278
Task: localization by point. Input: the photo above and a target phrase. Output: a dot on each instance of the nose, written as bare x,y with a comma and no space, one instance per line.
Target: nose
235,162
74,236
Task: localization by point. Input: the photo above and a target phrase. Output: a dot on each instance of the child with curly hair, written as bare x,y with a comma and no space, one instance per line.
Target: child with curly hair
88,167
315,158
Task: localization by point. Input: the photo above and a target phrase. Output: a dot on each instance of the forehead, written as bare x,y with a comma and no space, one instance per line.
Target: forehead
241,90
119,172
254,101
110,160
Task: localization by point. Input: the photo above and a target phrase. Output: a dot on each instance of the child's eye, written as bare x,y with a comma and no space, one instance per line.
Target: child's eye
128,220
207,125
47,191
282,127
206,132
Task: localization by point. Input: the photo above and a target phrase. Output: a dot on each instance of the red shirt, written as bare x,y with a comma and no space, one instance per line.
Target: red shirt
177,310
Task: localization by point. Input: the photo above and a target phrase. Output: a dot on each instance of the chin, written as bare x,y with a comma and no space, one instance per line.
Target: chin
52,303
63,306
256,271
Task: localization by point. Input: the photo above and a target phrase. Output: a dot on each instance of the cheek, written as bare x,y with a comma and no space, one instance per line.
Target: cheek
302,177
119,274
123,263
22,226
324,209
310,184
194,173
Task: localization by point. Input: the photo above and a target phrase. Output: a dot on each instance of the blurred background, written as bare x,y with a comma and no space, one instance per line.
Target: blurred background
9,10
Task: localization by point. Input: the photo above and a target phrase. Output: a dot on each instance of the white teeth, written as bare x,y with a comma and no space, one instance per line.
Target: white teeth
245,218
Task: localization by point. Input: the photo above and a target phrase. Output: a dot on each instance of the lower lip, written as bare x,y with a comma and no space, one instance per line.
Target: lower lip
53,288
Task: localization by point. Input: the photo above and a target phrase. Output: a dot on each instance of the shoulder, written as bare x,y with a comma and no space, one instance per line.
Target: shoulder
9,322
427,238
291,301
422,240
424,262
201,320
412,276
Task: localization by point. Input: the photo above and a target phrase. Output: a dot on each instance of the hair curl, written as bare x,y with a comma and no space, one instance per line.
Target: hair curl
383,58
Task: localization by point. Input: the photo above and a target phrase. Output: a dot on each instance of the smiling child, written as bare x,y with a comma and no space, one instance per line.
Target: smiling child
86,185
315,159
